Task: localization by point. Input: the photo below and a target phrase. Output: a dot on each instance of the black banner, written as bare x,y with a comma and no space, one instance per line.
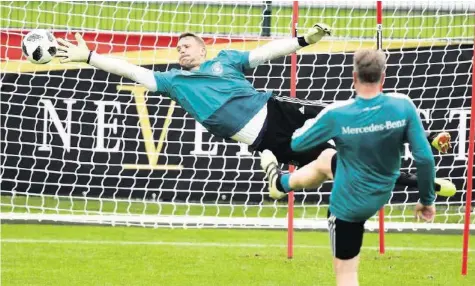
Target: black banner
99,139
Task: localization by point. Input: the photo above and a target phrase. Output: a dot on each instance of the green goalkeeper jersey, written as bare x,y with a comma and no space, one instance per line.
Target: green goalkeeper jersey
369,136
217,95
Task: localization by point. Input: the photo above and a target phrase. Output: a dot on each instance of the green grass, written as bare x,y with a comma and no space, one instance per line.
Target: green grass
69,255
228,19
79,205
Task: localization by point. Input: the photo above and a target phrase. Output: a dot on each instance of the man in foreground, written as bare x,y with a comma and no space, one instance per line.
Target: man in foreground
369,132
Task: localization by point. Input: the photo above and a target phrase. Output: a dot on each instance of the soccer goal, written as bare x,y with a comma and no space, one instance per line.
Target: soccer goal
82,146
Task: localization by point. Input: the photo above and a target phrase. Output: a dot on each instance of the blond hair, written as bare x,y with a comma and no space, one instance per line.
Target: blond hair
198,39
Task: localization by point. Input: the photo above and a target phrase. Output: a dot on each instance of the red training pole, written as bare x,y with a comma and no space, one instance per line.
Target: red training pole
379,46
468,203
293,84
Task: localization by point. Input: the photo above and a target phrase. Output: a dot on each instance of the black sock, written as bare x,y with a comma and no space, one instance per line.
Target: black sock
407,180
410,180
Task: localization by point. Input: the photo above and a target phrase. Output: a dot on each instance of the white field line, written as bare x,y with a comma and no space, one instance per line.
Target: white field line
214,244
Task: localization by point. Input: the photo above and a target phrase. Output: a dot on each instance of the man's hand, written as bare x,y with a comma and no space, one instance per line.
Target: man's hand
316,33
427,213
72,53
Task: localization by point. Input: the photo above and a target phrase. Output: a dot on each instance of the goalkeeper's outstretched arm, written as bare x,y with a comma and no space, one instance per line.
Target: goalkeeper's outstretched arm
81,53
275,49
283,47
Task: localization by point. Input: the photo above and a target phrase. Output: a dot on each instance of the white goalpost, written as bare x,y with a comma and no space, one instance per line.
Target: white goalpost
79,145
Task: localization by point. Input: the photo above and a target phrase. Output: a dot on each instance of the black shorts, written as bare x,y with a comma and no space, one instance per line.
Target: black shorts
346,238
283,118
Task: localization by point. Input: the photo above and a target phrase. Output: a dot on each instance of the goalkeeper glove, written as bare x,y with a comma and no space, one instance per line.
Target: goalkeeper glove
314,34
74,53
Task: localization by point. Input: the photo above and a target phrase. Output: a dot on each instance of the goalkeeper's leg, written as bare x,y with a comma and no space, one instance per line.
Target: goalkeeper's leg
311,175
443,187
318,171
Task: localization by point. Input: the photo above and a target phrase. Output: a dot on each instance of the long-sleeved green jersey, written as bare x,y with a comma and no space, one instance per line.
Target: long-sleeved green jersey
369,136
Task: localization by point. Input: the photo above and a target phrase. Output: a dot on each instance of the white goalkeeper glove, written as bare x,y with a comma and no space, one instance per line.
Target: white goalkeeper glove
314,34
74,53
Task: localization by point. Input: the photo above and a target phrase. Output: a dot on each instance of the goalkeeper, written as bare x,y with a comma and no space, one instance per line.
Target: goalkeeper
369,132
216,93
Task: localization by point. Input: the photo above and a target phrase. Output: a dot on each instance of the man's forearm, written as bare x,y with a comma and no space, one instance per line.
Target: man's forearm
274,50
283,47
426,176
123,68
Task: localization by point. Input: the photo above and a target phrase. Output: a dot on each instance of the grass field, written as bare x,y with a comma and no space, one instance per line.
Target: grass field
35,254
176,17
90,255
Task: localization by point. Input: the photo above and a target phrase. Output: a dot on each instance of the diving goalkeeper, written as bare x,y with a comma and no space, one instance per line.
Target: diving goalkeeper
216,93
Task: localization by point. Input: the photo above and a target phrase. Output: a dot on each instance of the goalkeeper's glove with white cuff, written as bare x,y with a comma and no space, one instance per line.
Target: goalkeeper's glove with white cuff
74,53
314,35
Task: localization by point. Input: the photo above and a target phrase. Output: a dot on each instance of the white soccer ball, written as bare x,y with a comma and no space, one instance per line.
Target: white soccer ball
39,46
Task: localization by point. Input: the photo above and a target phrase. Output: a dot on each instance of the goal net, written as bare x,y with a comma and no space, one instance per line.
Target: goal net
82,145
